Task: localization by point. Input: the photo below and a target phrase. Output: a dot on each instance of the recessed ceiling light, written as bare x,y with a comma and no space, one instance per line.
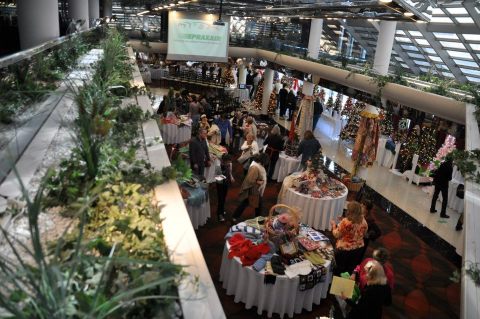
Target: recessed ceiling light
385,1
408,14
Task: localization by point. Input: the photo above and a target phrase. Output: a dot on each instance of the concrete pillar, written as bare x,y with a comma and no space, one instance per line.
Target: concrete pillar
78,10
267,89
340,39
351,42
107,8
37,22
307,88
242,74
316,29
93,11
383,51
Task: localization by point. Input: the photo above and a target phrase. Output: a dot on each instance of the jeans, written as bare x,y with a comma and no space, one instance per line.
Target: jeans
238,212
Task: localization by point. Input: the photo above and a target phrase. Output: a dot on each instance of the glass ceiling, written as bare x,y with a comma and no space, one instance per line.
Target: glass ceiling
448,45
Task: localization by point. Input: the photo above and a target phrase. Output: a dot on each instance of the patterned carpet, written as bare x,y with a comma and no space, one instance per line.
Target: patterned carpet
422,290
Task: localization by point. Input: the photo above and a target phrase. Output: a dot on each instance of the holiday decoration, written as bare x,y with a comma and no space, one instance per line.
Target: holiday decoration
348,108
329,105
317,160
350,130
229,78
366,142
291,147
259,95
321,95
272,103
447,147
386,122
337,107
420,142
427,148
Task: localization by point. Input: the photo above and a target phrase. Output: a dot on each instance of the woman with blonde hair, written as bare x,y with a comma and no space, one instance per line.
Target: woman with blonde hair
376,294
349,234
249,127
249,148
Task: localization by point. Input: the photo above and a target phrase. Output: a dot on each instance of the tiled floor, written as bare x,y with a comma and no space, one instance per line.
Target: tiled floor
407,197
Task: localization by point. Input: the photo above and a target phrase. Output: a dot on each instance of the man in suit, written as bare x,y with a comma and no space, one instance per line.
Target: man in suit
443,175
199,155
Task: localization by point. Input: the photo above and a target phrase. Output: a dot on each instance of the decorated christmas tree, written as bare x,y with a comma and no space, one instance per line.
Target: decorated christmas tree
229,78
272,103
348,108
291,147
427,148
321,95
338,104
386,122
418,142
329,105
448,146
350,130
257,101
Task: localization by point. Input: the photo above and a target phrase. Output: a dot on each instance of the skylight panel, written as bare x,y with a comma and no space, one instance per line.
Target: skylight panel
401,32
424,63
461,55
441,35
415,33
464,20
470,71
398,58
440,20
401,39
405,66
457,11
475,47
448,74
422,42
429,50
472,37
409,47
466,63
441,66
472,79
453,45
435,58
415,55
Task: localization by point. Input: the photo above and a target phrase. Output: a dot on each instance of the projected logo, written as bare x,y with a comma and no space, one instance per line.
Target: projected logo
199,31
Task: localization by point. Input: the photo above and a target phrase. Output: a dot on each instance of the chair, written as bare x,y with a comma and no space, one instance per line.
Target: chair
415,178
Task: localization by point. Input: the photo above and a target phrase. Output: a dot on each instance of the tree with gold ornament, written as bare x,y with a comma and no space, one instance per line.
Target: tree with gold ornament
337,107
350,130
229,78
386,122
329,105
321,95
272,103
257,101
348,108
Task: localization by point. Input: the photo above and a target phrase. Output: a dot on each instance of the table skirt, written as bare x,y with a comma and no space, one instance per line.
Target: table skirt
316,212
247,285
284,167
174,134
198,214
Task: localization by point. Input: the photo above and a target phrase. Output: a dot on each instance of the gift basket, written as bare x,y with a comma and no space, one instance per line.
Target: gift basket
282,229
354,184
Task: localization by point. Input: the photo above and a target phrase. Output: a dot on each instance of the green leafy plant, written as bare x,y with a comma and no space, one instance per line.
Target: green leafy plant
468,163
471,269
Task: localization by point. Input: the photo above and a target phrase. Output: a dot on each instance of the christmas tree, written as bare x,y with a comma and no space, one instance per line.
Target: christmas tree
291,147
350,130
408,148
321,95
257,101
229,78
338,104
272,103
329,105
427,148
418,142
317,160
386,122
348,108
448,146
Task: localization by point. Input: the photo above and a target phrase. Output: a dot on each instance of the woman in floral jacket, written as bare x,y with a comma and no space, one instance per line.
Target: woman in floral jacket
349,234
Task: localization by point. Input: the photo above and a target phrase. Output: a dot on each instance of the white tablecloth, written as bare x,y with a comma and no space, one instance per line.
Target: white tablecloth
285,166
210,171
173,134
146,76
316,212
282,298
198,214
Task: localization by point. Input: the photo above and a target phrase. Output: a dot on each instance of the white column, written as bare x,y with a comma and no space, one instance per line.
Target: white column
242,74
267,89
307,88
351,41
383,51
316,29
340,39
78,10
93,10
107,8
37,22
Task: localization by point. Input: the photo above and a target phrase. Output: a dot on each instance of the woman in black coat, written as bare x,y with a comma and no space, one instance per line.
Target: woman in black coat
291,104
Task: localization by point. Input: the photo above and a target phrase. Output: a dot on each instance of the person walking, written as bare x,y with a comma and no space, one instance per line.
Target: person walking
291,104
275,145
198,152
442,177
282,98
224,170
253,186
317,112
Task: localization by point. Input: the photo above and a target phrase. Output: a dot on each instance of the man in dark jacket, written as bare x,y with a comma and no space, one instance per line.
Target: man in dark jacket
198,152
317,112
282,98
443,175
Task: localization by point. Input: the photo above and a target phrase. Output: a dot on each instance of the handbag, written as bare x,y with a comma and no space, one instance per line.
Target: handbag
244,157
461,191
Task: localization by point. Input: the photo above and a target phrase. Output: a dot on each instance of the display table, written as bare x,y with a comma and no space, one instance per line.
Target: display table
241,94
282,296
174,134
197,203
316,212
384,157
210,171
157,74
285,166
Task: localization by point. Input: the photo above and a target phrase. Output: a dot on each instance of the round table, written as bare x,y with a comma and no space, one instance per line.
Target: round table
285,166
316,212
283,297
174,134
198,214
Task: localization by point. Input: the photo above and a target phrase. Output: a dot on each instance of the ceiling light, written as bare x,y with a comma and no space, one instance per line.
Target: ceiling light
385,1
181,2
408,14
420,21
172,4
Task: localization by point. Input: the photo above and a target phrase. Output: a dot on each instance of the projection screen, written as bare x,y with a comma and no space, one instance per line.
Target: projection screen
195,37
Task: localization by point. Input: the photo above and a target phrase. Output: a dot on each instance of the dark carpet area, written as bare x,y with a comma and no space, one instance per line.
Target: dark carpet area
422,290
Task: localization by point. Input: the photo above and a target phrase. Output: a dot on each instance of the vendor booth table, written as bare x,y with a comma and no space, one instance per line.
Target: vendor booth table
285,166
